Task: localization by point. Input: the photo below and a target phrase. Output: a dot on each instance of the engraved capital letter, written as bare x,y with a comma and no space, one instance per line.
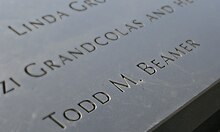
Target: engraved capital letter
71,5
5,91
87,105
102,97
49,18
76,115
17,32
148,69
168,9
120,86
27,71
88,47
50,116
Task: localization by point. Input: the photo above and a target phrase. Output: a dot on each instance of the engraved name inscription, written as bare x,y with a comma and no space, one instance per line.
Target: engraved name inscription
171,56
75,114
74,6
88,106
98,42
101,98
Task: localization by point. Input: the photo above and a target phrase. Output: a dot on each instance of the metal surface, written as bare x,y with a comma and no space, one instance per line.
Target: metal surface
80,91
